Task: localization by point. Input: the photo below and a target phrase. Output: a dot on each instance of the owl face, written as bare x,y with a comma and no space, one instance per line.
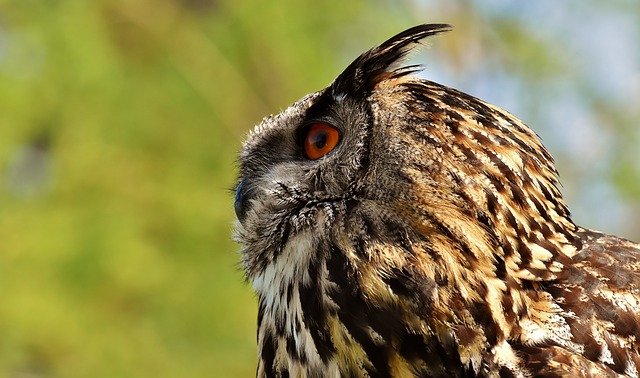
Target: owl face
384,207
293,172
313,151
284,188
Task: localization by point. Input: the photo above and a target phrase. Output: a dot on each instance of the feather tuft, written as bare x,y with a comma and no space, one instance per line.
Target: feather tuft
379,63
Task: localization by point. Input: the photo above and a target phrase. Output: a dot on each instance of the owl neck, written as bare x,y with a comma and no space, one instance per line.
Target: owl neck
326,308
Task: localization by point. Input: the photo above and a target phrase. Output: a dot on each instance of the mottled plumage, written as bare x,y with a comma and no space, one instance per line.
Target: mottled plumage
431,241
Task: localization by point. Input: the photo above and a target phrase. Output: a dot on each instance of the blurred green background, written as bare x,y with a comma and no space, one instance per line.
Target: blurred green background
120,122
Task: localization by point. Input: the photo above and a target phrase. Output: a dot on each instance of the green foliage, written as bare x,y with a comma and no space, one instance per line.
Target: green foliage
118,261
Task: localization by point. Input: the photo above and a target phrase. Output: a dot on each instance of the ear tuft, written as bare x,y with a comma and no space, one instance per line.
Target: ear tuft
381,61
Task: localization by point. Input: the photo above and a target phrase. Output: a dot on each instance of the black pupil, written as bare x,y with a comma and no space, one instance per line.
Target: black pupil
320,139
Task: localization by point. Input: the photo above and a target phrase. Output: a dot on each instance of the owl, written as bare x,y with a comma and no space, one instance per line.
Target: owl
395,227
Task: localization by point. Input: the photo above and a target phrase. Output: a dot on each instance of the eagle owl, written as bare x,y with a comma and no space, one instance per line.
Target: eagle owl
395,227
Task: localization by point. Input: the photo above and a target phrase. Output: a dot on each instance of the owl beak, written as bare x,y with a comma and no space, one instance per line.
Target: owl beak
241,201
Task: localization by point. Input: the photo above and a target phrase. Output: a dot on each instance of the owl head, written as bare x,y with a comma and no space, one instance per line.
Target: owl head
386,206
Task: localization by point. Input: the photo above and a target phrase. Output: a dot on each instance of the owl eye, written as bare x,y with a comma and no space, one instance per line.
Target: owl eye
319,139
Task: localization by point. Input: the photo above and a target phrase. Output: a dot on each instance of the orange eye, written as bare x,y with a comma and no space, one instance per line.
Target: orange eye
319,140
